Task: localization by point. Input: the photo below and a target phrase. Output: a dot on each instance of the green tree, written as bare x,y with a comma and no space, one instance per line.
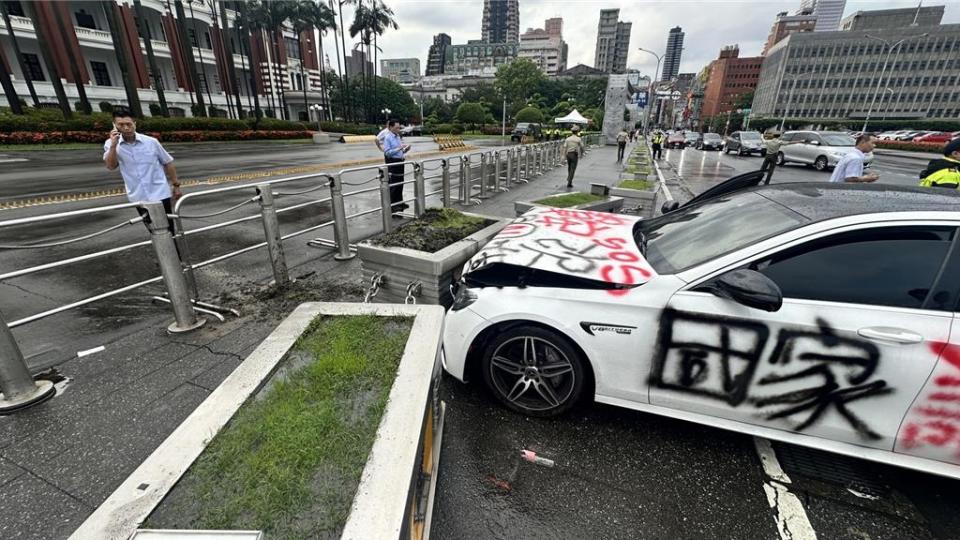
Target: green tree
308,15
518,80
470,113
595,114
744,101
530,114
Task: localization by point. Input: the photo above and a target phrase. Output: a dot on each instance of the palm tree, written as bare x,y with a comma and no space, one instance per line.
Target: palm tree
362,25
243,24
119,47
310,15
187,50
271,15
228,49
144,30
19,55
43,45
85,107
382,21
344,79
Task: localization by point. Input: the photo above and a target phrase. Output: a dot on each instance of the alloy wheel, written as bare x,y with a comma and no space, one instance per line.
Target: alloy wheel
532,374
820,164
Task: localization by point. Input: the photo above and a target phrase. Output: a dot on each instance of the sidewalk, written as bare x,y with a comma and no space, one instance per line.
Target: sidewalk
924,156
61,459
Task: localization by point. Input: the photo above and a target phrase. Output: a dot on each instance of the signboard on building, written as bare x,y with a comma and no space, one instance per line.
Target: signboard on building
640,98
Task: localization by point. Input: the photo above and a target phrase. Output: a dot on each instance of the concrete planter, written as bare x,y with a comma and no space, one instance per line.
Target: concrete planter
434,271
635,198
395,493
610,204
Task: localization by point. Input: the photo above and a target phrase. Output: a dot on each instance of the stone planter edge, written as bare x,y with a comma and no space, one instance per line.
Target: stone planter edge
610,204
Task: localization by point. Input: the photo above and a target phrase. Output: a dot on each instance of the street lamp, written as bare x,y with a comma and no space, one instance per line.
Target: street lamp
386,113
652,86
786,110
318,109
883,71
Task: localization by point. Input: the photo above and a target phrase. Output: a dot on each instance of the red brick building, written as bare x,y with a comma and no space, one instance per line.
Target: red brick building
729,78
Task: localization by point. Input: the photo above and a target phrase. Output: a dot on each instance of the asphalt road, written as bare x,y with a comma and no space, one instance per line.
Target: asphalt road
626,474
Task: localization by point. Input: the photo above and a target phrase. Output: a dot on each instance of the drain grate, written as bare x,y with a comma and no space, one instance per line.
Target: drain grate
831,468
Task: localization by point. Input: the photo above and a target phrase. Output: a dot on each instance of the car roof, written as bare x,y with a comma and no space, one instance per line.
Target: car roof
819,201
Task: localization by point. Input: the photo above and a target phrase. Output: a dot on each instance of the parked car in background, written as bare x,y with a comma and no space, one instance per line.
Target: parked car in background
677,139
745,143
909,135
693,138
937,137
890,135
412,130
821,149
710,141
526,129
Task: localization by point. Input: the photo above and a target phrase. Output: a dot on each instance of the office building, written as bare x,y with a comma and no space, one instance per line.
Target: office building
545,47
478,57
729,78
785,25
501,21
401,70
827,12
437,57
191,47
613,42
834,75
357,63
885,19
671,58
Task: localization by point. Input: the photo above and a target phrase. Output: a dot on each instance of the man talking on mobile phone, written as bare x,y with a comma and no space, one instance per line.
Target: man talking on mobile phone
147,169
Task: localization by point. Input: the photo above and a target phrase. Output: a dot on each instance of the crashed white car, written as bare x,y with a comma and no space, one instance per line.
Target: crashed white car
817,314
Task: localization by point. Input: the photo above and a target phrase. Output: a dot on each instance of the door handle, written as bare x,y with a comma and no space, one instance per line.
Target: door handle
885,333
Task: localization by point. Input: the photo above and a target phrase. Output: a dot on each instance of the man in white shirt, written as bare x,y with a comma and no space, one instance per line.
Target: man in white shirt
850,166
621,144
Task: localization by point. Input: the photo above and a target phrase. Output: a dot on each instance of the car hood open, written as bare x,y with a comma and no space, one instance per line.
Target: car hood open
579,248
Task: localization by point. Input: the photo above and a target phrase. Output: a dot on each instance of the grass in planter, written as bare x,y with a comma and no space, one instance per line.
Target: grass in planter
570,199
642,185
436,229
290,460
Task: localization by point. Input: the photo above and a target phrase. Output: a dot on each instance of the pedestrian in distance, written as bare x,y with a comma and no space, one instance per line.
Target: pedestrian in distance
573,149
621,144
773,146
149,175
656,142
393,153
850,166
633,135
944,172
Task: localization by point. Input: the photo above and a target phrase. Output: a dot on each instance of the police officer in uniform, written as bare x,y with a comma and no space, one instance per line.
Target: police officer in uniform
657,143
944,172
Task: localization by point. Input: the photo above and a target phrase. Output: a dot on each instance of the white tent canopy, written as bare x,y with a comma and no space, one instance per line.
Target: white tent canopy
573,118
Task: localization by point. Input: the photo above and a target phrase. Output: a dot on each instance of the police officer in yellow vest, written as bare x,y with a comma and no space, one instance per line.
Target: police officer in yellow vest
944,172
657,144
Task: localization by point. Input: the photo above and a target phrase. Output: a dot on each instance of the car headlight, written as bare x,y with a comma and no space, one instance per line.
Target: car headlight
463,296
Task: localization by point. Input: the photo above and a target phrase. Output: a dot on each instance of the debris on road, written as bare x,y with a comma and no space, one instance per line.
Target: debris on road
532,457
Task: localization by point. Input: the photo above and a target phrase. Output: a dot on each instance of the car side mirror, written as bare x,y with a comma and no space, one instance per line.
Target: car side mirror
815,143
749,288
669,206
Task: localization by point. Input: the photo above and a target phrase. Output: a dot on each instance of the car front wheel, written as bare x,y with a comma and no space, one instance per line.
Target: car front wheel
821,163
780,159
534,371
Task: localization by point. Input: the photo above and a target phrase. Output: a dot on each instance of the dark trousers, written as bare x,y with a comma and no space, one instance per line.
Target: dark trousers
395,173
620,147
572,159
769,164
657,151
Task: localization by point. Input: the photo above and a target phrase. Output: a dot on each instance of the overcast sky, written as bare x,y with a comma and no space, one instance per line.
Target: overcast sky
708,25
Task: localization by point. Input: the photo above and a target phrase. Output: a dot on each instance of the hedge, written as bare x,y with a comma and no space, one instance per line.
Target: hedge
933,148
875,126
58,137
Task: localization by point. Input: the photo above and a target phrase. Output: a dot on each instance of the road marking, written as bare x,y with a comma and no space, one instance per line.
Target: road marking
81,354
792,522
13,160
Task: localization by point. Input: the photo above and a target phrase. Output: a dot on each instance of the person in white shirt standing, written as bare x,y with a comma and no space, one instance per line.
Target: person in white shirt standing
850,166
147,169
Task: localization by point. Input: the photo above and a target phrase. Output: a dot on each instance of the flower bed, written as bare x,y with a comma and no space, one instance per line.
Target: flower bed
59,137
933,148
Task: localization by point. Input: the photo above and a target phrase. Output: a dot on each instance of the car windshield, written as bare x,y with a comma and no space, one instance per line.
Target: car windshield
836,139
711,136
750,136
691,236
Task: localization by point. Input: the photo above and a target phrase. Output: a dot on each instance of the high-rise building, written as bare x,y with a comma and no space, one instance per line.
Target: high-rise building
835,75
613,42
886,19
671,58
545,49
828,13
478,57
358,63
436,59
401,70
501,21
786,25
729,78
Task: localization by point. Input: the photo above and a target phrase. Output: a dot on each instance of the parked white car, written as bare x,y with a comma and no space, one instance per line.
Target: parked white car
821,149
816,314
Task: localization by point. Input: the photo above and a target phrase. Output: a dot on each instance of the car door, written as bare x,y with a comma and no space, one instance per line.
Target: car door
844,356
791,152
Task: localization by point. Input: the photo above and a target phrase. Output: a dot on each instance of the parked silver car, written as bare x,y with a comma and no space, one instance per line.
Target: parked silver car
821,149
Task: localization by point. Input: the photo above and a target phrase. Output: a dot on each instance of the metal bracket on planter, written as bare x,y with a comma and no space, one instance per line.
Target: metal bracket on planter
423,481
324,243
414,288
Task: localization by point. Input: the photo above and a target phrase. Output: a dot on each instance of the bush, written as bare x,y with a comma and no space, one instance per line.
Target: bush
106,106
530,114
58,137
457,129
155,109
933,148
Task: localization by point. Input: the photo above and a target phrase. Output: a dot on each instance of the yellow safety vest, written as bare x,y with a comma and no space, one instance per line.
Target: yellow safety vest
947,176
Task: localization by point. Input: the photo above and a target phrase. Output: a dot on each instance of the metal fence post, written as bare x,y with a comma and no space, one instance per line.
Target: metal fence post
509,177
496,171
386,211
483,175
526,167
185,317
18,390
445,182
465,180
271,230
419,189
341,236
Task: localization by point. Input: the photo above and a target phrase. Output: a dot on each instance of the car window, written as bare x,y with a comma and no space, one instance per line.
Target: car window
701,232
788,137
885,266
838,140
750,136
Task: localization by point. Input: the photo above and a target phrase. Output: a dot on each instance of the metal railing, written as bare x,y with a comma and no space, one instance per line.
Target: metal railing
472,176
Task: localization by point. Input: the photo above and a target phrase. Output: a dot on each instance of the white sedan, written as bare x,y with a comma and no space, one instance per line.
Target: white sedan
817,314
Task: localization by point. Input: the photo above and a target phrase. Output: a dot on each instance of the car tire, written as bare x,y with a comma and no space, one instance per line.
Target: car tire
780,159
740,151
821,163
516,377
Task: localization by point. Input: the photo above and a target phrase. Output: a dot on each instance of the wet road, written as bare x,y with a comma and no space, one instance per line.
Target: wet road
626,474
